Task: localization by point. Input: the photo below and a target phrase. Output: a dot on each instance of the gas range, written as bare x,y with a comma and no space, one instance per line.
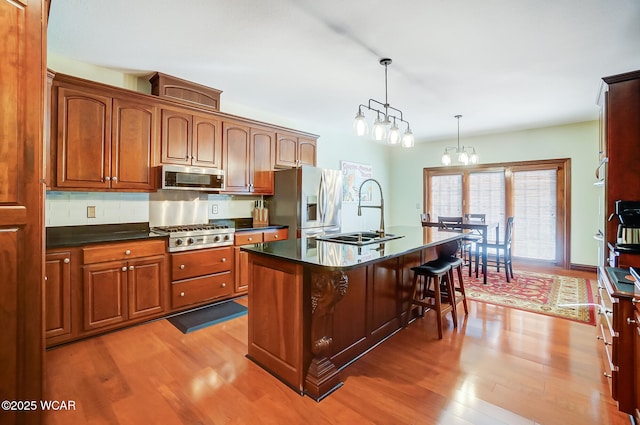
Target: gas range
196,236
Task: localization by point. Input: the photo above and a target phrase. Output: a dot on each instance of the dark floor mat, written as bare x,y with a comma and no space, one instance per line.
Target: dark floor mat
198,319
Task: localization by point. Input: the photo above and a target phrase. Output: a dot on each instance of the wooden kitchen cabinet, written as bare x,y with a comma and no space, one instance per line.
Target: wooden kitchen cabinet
201,276
57,299
617,334
293,151
248,158
122,283
102,142
241,283
190,139
636,303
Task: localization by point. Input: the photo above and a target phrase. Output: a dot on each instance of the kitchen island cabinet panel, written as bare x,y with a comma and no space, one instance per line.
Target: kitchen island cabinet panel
314,311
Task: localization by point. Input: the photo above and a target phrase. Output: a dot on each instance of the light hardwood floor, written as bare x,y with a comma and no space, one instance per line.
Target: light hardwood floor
500,366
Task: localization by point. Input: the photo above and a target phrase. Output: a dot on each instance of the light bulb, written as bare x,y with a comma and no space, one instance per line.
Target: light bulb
446,159
408,141
378,132
394,135
463,157
474,158
360,124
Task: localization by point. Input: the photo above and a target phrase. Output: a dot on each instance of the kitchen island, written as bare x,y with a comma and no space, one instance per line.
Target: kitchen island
316,306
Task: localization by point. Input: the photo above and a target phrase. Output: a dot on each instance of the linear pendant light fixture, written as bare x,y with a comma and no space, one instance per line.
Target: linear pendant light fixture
464,155
384,119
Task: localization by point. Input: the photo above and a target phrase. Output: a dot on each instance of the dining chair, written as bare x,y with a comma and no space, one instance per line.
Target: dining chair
449,223
503,247
469,241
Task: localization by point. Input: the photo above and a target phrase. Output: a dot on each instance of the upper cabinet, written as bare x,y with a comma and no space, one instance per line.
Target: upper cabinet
102,141
190,139
108,138
293,151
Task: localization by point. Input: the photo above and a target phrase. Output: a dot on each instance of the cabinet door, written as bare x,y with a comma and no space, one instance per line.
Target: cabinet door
286,151
261,161
57,289
306,152
105,294
176,137
147,287
241,281
207,142
236,157
133,135
83,139
637,361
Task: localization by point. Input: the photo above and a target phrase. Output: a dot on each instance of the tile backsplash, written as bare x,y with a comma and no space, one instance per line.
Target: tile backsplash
71,208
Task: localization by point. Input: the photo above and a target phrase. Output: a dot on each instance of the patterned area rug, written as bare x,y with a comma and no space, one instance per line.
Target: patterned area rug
566,297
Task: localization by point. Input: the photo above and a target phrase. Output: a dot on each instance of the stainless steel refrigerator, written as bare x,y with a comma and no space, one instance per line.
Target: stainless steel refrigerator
308,200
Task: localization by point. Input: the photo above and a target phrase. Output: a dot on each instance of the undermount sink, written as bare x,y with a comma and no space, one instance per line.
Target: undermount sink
359,238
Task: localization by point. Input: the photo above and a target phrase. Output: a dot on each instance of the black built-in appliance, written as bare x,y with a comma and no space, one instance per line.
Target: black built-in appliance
628,215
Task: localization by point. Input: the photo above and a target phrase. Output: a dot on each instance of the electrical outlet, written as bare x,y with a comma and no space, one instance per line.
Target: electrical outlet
91,211
417,206
214,209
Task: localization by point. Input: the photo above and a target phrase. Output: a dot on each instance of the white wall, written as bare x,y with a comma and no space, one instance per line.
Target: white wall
576,141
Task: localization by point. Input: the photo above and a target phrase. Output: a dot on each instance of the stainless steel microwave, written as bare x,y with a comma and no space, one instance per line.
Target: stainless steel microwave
184,177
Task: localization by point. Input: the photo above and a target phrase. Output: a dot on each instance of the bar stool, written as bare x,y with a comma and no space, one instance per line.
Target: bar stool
437,271
456,264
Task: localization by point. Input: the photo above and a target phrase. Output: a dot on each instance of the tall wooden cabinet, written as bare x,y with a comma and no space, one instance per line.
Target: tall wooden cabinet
619,176
22,89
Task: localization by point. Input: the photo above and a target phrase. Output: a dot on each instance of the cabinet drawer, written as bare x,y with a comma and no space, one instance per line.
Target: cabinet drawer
201,289
122,251
201,262
244,238
275,235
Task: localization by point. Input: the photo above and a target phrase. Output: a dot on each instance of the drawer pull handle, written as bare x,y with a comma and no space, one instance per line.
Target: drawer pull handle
275,236
182,294
224,260
606,375
223,285
603,340
124,269
181,266
631,321
127,252
250,238
66,261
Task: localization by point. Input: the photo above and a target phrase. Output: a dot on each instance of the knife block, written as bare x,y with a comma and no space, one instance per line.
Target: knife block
260,217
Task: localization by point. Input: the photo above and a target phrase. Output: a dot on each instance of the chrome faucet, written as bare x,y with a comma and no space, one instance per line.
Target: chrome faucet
381,206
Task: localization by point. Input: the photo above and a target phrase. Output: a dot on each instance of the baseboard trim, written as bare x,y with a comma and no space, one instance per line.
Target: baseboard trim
583,268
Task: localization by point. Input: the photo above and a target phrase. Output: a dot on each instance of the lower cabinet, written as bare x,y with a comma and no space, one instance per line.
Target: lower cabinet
58,298
241,284
636,338
201,276
123,288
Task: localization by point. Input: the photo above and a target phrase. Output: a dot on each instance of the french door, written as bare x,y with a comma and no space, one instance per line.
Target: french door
534,192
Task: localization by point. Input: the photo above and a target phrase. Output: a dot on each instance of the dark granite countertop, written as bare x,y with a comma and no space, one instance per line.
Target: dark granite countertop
246,224
340,256
70,236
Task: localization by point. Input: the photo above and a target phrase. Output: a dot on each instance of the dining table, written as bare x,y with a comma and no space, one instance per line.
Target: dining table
470,226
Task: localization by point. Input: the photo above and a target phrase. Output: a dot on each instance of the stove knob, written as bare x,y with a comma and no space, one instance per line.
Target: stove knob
227,237
190,241
179,242
216,238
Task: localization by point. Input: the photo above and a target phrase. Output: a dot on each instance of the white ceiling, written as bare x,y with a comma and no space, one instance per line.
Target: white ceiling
502,64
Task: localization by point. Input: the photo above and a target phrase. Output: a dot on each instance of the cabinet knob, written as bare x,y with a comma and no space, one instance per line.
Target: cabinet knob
606,375
46,278
635,301
250,238
114,178
631,321
124,269
131,267
181,267
66,261
182,294
275,236
107,178
223,285
127,252
224,260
